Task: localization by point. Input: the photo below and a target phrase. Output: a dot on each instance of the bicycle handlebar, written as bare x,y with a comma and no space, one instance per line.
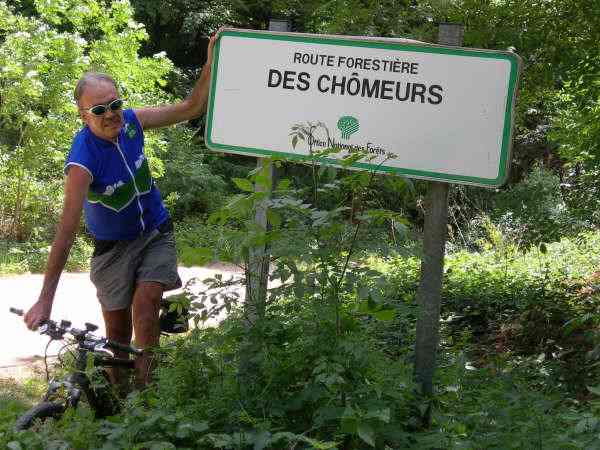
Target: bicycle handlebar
57,331
18,312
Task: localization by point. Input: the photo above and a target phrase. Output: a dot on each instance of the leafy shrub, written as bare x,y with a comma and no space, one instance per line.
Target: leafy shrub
518,341
498,407
542,302
582,192
305,382
534,210
189,186
199,242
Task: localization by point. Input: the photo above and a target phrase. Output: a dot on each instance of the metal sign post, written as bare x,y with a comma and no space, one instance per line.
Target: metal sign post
432,261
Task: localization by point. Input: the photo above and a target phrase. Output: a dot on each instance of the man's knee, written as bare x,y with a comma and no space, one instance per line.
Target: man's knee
118,324
146,306
148,294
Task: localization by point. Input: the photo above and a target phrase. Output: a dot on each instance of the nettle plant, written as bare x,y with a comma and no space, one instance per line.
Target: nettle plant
319,284
313,249
307,346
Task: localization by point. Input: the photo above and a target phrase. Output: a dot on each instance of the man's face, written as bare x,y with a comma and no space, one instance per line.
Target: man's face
108,125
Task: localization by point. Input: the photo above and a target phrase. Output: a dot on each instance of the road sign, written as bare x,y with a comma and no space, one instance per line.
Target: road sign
420,110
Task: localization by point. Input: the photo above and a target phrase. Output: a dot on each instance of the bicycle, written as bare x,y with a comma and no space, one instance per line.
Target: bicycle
100,398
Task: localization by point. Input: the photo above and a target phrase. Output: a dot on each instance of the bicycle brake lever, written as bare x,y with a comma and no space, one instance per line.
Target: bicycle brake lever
101,348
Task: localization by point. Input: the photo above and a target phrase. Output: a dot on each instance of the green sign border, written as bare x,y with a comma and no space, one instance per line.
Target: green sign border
505,154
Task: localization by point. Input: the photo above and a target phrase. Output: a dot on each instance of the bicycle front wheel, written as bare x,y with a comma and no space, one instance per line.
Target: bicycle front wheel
40,411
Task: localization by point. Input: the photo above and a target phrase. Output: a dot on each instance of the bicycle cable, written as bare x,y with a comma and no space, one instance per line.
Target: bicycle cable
61,352
46,360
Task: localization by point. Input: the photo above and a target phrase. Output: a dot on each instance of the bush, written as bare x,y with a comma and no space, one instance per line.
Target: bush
542,302
305,382
199,242
519,339
498,407
534,210
189,185
582,193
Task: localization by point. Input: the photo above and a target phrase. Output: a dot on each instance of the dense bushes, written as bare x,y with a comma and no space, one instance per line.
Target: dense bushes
539,304
535,211
22,257
517,366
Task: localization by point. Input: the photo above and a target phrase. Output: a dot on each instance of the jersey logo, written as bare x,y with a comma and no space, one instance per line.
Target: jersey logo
130,130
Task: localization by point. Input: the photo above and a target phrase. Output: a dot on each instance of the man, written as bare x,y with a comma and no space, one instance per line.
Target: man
107,176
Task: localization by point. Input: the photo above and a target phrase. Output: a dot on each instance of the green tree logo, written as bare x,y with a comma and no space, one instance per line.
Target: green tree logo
130,130
348,125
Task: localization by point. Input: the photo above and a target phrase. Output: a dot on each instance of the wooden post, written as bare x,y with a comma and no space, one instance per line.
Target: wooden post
257,266
257,274
432,262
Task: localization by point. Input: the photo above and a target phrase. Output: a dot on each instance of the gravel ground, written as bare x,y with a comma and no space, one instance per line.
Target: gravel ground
21,351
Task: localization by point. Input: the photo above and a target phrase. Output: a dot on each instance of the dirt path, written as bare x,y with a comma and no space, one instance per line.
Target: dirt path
21,349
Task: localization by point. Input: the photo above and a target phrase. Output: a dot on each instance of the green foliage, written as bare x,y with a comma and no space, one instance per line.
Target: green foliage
534,210
519,345
578,113
329,295
497,408
542,302
189,185
576,128
42,57
304,383
575,124
31,256
581,193
517,367
199,243
178,25
16,398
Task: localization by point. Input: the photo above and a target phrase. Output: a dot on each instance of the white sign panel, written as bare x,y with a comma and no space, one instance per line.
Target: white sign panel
423,111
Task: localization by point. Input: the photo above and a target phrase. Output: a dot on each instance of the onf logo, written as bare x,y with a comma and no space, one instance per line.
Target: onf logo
348,125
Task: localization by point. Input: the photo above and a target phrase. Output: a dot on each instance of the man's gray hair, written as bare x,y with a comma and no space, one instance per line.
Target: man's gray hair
91,77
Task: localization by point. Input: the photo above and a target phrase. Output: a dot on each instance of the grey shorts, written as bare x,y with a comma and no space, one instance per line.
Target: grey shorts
115,273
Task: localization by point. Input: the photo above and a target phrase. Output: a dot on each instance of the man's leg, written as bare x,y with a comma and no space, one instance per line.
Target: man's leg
118,328
145,308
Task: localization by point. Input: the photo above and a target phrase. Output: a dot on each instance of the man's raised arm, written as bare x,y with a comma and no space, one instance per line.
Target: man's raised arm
76,188
190,108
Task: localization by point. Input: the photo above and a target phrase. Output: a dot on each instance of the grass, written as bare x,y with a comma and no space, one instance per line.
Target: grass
17,396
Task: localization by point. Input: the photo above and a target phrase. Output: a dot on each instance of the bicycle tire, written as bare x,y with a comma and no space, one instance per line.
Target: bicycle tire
41,411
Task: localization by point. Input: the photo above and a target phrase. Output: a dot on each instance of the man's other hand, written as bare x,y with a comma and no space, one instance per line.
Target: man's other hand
211,46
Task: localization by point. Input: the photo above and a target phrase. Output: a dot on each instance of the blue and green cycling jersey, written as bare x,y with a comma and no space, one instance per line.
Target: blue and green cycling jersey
122,200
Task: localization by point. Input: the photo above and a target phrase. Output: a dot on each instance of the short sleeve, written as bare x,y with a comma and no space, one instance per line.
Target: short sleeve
81,155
